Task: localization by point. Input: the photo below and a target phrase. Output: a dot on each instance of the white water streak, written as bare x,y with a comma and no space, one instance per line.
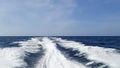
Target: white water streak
54,59
13,57
108,56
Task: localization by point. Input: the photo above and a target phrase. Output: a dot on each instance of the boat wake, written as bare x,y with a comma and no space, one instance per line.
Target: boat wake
45,52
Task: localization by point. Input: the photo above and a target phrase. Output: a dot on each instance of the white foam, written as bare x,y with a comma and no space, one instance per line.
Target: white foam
53,57
14,57
11,58
106,55
31,46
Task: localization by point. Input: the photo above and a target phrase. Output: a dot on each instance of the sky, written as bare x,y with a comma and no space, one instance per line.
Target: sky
59,17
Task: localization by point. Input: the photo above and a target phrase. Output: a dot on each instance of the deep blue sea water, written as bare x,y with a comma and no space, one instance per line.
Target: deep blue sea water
60,52
102,41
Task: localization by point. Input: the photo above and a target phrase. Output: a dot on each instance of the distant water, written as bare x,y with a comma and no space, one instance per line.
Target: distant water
60,52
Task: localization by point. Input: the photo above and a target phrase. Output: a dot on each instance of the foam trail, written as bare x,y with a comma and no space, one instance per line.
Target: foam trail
31,46
13,57
105,55
53,57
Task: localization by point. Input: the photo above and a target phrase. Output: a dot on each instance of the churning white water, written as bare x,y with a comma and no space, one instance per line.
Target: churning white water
14,57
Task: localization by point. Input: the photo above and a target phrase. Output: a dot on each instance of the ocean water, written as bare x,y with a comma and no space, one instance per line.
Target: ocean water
60,52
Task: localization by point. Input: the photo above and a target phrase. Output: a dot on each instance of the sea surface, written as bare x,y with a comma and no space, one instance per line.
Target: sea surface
60,52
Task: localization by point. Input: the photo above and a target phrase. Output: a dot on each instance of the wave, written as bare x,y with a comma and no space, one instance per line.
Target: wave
44,52
53,57
14,57
107,56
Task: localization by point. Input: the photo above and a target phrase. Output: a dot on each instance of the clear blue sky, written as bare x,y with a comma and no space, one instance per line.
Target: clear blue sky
60,17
